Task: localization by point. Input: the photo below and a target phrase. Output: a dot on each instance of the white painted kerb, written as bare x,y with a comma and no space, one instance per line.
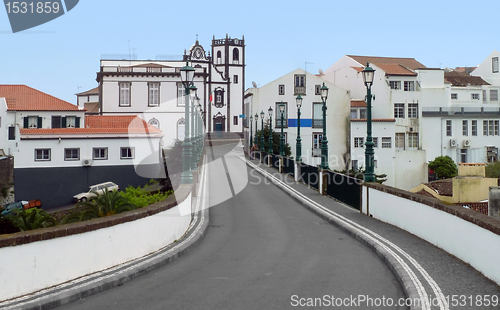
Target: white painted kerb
34,266
472,244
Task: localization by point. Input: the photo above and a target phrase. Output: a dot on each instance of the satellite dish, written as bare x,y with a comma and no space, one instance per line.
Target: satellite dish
321,72
254,84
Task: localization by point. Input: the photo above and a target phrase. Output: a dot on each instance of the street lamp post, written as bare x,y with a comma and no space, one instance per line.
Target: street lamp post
368,75
251,140
194,151
262,132
298,145
256,120
187,75
324,140
270,111
282,137
200,127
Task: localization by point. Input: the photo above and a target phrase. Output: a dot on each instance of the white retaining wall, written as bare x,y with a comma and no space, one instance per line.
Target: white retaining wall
469,242
34,266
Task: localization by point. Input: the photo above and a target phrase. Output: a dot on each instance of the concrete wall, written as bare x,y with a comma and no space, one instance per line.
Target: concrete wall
75,250
56,186
466,234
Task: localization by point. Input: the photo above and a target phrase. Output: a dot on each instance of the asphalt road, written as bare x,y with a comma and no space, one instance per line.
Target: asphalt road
262,251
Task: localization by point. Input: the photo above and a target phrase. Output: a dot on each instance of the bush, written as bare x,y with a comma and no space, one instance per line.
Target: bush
493,170
31,219
444,167
141,197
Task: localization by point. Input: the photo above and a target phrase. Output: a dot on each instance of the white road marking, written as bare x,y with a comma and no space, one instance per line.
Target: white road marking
443,305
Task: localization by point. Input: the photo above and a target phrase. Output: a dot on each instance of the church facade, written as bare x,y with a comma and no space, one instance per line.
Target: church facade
152,89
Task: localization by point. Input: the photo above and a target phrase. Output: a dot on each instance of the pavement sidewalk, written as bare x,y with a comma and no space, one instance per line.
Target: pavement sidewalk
462,286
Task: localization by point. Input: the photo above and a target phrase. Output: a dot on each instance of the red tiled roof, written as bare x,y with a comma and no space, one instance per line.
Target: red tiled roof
25,98
92,107
358,103
93,91
457,78
396,69
359,69
410,63
443,187
100,124
374,120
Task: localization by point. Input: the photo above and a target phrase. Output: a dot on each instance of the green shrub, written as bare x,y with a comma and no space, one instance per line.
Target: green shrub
31,219
141,197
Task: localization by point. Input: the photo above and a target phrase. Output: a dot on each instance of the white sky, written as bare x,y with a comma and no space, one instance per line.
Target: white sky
62,56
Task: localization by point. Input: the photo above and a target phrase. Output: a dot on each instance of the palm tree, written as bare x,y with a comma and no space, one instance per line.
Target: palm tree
109,203
32,219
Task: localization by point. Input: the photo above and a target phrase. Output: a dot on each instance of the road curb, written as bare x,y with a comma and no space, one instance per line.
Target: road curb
401,275
124,273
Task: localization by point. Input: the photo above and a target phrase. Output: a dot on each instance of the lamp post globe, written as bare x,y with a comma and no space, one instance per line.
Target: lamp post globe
324,140
368,77
298,145
187,75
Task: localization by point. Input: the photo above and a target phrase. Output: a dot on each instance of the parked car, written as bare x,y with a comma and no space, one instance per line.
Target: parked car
36,203
95,190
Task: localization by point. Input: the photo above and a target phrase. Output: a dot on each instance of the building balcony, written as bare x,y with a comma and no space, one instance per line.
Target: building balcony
317,123
299,90
460,111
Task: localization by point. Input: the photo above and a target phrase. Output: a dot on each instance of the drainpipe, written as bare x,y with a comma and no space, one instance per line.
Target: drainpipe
442,119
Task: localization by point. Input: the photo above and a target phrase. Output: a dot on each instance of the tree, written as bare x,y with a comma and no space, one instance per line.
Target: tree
109,203
444,167
493,170
31,219
276,141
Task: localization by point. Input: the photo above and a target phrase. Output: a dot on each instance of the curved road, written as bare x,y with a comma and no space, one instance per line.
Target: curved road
262,251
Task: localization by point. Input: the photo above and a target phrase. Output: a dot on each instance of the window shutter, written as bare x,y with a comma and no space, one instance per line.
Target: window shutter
39,124
77,122
63,122
26,124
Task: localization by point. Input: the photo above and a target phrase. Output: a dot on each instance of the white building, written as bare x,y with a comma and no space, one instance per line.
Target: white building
152,89
58,151
420,113
396,115
285,90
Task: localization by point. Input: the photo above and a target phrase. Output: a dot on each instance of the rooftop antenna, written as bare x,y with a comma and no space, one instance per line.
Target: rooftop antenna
311,63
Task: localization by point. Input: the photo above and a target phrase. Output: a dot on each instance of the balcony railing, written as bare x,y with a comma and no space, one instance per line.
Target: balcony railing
451,111
317,123
299,90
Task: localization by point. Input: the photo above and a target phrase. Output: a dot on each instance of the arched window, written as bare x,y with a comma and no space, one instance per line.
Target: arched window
181,129
236,56
219,57
154,122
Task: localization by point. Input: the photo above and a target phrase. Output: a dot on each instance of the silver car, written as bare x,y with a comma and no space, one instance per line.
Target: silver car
95,190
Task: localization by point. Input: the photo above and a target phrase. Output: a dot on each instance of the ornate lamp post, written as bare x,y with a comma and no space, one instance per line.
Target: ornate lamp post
368,75
324,141
198,127
194,150
187,75
270,111
282,137
256,120
262,133
298,145
251,140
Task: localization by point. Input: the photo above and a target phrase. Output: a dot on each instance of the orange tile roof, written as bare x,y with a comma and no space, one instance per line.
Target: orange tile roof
410,63
358,103
374,120
25,98
101,124
93,91
396,69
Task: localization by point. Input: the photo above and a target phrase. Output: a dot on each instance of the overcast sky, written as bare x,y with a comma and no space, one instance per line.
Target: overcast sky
62,56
